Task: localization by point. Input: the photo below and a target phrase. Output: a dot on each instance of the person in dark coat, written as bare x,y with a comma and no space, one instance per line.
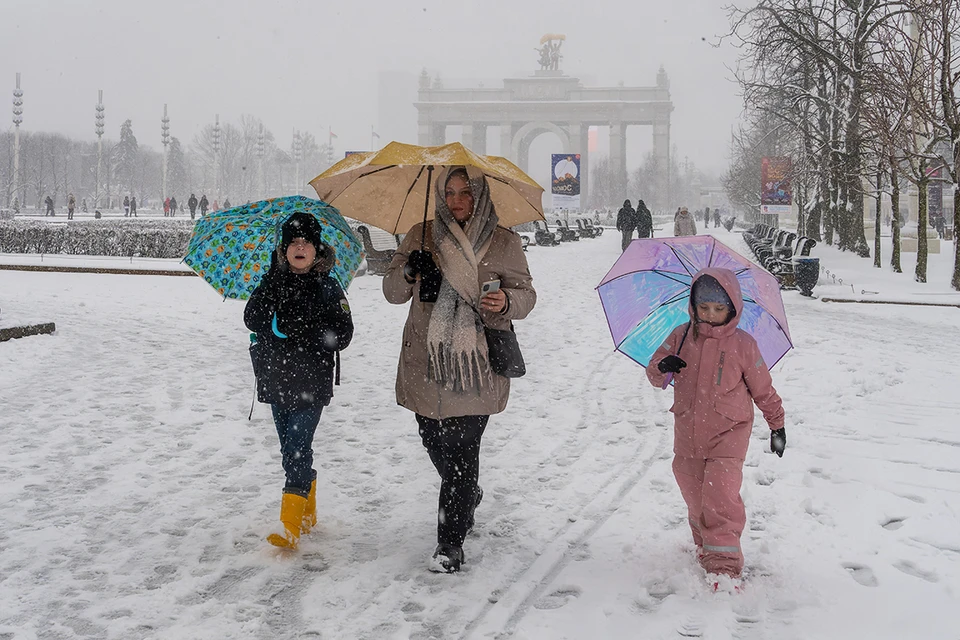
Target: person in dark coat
173,206
226,203
626,223
204,203
716,217
302,321
133,206
644,221
192,204
48,201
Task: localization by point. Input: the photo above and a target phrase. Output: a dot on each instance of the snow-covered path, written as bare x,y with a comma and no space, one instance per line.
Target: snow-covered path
134,493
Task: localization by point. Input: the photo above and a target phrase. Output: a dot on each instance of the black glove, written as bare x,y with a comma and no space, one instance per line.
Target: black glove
671,364
778,441
419,262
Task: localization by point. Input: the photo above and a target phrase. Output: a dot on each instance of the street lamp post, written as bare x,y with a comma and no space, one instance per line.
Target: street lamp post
17,119
297,154
216,157
99,130
165,139
261,151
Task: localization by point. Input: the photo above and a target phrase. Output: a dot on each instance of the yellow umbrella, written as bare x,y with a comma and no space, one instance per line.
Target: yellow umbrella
552,36
390,188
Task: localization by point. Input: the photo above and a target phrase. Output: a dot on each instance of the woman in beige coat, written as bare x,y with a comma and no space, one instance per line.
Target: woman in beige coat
444,375
684,224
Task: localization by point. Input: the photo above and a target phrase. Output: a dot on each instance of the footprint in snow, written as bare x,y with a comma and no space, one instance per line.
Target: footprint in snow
558,598
911,569
892,524
862,574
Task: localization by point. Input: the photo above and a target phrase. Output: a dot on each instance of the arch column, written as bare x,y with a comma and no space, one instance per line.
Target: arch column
661,151
618,157
579,143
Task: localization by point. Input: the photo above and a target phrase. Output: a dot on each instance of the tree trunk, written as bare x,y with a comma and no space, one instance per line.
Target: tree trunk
921,273
955,281
878,221
895,215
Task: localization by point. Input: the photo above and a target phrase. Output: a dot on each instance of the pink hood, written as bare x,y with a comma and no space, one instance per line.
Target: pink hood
728,280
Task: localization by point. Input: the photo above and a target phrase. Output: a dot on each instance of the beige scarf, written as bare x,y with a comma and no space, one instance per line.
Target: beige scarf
456,342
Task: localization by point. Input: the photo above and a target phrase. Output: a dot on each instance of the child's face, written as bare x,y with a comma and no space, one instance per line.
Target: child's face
714,313
301,255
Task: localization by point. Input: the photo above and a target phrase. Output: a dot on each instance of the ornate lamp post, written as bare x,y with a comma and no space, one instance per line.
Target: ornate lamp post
216,157
99,130
297,155
261,151
17,119
165,139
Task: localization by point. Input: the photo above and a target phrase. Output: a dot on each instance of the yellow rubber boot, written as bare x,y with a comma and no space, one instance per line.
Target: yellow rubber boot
310,511
291,516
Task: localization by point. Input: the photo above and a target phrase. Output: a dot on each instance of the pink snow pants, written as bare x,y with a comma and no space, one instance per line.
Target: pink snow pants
711,489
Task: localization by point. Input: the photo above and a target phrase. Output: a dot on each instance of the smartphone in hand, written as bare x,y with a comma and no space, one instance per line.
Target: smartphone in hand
489,287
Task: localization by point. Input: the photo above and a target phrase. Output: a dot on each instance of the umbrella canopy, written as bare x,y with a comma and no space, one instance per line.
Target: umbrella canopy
231,249
388,188
647,294
552,36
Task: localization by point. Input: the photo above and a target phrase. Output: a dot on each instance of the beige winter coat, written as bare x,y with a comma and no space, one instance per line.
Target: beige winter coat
504,261
685,224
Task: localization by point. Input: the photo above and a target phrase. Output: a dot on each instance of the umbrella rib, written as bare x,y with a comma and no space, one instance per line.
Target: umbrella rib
680,259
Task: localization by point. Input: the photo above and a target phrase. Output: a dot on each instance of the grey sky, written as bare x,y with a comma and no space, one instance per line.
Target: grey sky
313,65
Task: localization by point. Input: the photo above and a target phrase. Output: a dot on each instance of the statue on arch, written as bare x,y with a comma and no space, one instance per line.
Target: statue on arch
549,51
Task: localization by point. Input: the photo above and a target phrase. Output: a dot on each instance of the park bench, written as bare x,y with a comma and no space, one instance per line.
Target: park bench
585,231
543,236
378,260
566,233
597,228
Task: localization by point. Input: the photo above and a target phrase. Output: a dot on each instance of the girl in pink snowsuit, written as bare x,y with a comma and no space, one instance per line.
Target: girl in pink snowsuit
719,374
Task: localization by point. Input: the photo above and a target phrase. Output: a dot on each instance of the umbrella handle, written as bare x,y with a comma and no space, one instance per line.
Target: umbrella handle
669,378
426,207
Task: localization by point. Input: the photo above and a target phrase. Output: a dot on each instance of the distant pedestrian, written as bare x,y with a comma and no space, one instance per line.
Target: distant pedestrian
626,223
192,204
173,206
204,203
126,206
71,205
83,205
716,217
684,224
49,204
133,206
166,207
216,206
644,221
226,203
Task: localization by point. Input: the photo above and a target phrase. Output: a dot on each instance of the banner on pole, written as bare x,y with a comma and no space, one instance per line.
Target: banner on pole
776,194
565,180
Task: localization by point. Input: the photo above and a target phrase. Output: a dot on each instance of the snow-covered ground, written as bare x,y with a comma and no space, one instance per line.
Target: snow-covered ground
135,494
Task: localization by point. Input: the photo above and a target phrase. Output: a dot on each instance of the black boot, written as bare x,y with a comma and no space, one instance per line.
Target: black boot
447,559
476,504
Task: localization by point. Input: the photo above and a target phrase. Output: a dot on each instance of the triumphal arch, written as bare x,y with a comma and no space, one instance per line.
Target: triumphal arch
547,101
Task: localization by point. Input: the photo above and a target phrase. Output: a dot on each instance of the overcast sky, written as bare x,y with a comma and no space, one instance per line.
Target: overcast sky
313,65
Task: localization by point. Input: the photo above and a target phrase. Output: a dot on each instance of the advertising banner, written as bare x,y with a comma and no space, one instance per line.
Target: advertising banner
565,180
776,194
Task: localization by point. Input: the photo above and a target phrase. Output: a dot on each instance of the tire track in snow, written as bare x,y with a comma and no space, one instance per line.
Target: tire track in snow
502,613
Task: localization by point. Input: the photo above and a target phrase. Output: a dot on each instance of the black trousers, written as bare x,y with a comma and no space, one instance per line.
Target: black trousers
454,448
627,237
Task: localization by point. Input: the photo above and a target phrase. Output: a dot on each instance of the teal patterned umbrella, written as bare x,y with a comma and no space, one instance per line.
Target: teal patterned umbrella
231,249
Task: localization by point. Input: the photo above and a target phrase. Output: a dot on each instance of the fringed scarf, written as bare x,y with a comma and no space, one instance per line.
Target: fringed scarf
456,342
